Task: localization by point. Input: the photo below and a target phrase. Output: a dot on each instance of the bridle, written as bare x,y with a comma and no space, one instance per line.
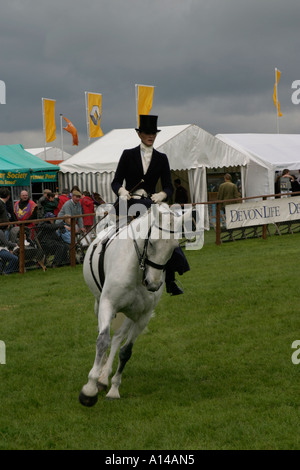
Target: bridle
143,257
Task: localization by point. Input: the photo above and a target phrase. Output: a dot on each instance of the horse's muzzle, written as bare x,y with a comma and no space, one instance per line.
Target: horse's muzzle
152,286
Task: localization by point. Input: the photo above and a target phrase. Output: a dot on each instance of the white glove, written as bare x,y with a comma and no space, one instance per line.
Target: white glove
123,193
158,197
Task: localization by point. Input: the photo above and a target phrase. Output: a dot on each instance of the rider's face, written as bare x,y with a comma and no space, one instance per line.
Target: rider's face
147,139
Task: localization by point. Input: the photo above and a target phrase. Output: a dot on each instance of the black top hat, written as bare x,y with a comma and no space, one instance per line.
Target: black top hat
148,124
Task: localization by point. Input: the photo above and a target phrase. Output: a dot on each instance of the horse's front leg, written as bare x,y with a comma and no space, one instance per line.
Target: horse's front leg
89,393
125,354
117,340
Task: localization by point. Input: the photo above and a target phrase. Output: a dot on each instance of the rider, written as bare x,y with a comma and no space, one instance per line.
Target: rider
141,168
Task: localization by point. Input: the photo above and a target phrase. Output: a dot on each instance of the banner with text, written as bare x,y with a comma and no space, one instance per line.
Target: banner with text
14,178
44,177
264,212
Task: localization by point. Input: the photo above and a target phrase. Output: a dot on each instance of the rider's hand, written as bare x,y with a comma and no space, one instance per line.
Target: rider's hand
158,197
123,193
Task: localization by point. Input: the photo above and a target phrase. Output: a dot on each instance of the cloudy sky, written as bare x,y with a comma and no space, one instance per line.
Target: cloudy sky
212,63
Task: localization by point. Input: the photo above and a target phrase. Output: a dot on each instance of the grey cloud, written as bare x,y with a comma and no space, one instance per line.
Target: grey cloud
212,62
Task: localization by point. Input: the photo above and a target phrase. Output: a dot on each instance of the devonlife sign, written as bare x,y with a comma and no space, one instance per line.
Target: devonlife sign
2,353
2,92
285,209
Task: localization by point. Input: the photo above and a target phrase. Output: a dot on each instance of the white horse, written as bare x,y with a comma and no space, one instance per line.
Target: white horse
129,279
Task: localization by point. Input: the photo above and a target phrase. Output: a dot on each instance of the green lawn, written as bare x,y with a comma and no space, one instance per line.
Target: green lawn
213,371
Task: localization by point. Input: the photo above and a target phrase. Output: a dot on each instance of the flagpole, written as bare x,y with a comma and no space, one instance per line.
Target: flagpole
61,137
137,104
44,127
87,116
277,107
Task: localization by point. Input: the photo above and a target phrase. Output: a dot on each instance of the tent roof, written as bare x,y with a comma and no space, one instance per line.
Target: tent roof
276,151
103,155
16,158
52,154
187,146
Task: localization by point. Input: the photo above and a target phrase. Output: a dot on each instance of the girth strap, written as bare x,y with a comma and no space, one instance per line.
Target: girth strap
100,263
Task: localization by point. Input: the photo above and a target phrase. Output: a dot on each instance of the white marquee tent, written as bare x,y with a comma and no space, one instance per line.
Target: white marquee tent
265,154
53,154
188,148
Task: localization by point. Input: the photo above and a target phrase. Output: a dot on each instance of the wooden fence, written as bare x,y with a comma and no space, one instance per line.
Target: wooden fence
216,226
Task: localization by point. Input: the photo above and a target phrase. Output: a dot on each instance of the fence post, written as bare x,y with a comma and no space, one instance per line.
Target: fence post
264,228
73,247
218,223
22,249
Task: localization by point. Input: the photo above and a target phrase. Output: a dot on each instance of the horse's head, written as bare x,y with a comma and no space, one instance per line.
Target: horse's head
160,243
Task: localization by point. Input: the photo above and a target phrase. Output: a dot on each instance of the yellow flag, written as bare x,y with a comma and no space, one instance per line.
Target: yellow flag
145,99
275,98
49,119
94,114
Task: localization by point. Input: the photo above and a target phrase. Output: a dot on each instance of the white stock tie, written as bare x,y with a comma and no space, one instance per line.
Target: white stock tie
146,153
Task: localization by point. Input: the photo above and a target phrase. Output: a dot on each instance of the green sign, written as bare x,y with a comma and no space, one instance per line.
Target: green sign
44,177
14,178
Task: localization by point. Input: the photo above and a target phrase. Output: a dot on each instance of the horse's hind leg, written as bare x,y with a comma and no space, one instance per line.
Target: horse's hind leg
124,356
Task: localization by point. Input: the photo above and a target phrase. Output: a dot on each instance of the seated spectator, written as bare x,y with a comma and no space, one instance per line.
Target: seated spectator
50,242
8,260
50,203
87,204
64,197
65,231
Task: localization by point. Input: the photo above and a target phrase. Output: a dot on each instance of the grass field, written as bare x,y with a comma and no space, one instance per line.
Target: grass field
214,370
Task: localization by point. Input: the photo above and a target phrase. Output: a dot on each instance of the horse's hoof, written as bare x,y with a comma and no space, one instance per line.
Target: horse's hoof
87,401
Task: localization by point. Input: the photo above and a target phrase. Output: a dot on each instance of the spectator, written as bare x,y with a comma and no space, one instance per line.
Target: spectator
51,243
64,197
73,207
97,199
75,188
9,262
181,195
65,232
87,204
4,197
227,190
25,208
41,202
285,182
50,203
